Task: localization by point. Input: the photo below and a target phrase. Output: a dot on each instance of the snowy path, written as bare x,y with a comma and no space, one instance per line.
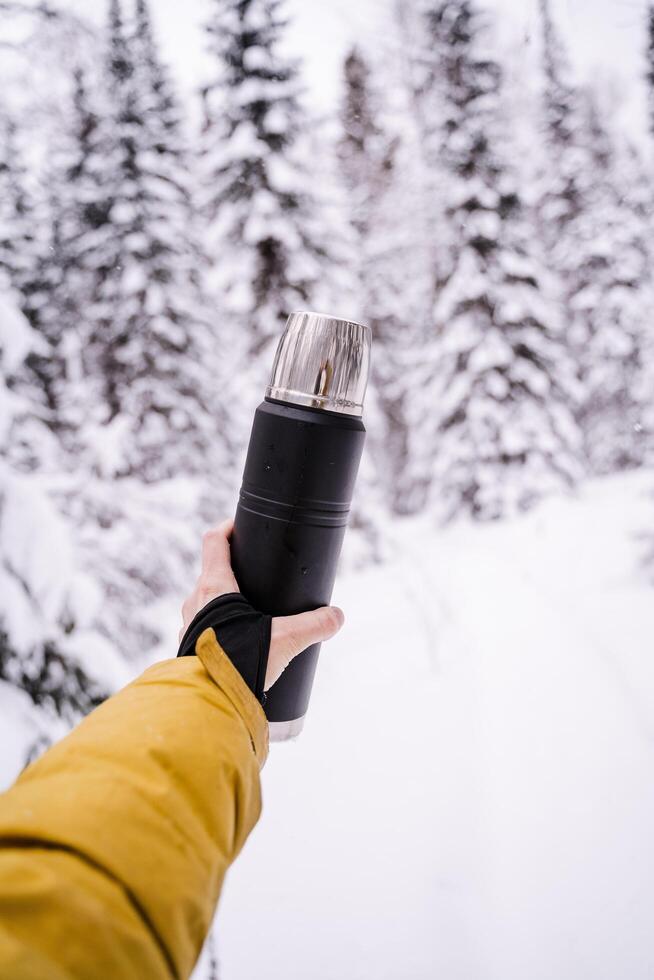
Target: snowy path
473,796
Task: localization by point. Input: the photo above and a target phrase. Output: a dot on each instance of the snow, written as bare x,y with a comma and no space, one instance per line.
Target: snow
472,794
18,730
471,797
35,543
16,338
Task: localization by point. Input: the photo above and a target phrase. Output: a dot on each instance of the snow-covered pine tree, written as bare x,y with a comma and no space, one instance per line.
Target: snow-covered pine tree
124,250
383,202
26,263
610,310
264,235
647,398
418,67
41,306
496,384
86,251
364,150
20,254
148,343
17,244
595,226
36,617
38,585
649,64
78,213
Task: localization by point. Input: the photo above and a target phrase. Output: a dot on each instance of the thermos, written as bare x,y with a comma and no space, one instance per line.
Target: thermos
301,466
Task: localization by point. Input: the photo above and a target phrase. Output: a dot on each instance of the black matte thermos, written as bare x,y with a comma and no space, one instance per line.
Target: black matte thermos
302,461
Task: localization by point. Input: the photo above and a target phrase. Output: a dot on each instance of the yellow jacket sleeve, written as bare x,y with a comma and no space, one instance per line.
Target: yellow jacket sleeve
114,845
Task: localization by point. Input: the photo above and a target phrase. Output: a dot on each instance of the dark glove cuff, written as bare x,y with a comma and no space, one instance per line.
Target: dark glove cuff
243,633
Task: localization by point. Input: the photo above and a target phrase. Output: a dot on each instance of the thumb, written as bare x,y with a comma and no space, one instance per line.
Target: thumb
291,635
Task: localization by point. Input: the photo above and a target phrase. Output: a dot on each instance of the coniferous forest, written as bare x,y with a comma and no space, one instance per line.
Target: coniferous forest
148,265
497,237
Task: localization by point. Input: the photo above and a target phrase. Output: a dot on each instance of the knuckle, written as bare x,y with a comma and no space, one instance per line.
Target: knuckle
329,620
206,592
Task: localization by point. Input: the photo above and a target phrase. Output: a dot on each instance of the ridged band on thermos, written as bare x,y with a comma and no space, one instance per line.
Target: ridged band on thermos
329,514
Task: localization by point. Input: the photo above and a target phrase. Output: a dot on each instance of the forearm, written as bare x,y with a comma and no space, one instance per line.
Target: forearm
150,799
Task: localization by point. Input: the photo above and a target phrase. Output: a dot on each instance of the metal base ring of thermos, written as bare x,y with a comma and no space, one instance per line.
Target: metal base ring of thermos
282,731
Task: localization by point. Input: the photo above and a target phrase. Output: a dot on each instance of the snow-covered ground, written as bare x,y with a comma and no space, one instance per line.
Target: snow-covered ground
473,795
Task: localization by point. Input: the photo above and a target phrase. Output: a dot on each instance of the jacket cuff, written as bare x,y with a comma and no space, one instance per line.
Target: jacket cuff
242,632
225,675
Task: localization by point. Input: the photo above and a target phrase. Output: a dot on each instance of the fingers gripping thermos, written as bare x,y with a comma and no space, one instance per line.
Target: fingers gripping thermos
301,466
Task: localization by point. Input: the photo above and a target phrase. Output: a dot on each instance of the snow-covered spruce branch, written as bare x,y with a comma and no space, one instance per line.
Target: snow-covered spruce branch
50,680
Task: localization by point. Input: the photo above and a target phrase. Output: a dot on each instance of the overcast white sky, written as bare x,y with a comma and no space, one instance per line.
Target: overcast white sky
606,39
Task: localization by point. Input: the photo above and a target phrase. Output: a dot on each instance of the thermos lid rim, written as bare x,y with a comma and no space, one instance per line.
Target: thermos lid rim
330,316
323,362
313,401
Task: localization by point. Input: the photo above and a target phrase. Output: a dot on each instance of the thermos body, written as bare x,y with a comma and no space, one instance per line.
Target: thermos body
296,494
290,523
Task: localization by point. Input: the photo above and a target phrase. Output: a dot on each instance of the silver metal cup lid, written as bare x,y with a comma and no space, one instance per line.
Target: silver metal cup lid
323,362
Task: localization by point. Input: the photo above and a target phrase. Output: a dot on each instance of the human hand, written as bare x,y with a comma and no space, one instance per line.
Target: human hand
290,635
